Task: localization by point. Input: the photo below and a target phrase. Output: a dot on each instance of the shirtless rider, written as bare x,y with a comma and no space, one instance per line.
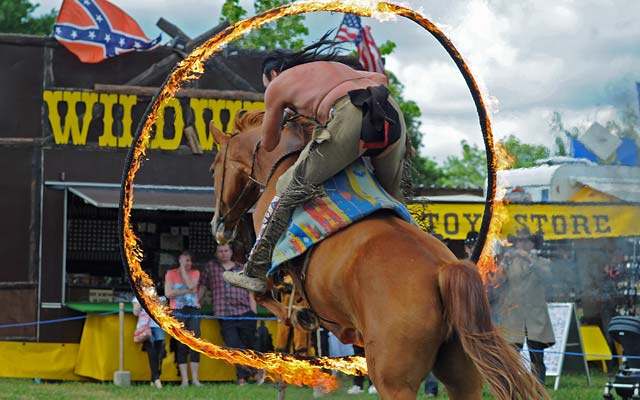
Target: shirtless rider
342,100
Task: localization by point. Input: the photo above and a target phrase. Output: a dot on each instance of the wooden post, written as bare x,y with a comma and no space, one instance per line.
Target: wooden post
282,390
121,338
121,377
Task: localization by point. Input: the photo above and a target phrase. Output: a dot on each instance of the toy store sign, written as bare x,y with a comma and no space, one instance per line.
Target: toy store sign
556,221
81,117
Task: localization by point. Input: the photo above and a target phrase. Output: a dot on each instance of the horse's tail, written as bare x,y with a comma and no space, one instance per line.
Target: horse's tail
468,316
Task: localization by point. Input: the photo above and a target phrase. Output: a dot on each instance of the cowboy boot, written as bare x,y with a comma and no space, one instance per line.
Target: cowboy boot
253,275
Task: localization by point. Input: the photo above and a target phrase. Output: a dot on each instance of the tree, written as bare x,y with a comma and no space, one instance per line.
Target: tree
525,154
286,32
470,171
15,17
426,172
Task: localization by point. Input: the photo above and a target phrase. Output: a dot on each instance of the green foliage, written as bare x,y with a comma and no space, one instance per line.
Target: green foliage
426,172
387,48
15,17
470,171
525,154
284,33
232,11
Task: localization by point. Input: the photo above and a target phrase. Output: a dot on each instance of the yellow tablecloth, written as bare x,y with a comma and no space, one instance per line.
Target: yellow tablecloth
96,356
39,360
98,352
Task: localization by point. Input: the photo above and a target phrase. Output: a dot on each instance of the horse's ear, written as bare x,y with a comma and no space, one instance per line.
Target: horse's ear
218,135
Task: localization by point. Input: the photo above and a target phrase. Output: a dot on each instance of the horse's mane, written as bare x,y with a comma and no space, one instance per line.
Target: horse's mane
252,119
248,119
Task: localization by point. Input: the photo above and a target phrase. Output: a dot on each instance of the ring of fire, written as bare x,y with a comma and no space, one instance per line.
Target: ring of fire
299,371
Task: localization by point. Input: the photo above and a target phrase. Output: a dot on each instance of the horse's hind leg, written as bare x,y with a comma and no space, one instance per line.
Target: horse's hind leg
400,354
457,372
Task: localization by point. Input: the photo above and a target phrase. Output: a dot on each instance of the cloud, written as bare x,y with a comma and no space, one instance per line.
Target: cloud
578,57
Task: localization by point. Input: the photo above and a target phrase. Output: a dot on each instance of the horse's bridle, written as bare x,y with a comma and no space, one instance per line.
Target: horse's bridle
247,187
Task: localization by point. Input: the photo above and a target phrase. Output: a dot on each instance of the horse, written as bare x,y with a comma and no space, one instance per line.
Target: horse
381,283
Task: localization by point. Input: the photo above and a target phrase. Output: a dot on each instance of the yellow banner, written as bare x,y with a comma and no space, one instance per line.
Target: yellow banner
73,127
556,221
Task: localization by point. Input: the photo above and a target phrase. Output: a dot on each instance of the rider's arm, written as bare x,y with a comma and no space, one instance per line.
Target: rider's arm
272,123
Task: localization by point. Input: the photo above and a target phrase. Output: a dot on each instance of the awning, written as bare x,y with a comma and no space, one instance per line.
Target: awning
623,189
145,197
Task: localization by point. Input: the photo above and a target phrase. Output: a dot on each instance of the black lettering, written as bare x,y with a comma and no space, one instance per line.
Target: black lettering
580,220
456,227
559,224
521,219
602,219
433,219
476,217
539,218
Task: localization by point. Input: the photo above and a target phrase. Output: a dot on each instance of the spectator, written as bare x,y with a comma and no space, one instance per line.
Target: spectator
181,287
469,243
358,381
154,345
235,306
519,298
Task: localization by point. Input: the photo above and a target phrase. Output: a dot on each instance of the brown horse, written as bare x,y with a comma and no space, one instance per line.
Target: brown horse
381,283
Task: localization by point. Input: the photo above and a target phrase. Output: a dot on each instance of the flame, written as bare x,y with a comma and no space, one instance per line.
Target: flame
486,262
290,369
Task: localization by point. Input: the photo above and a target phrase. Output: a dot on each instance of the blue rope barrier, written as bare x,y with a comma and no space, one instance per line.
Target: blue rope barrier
179,315
572,353
54,321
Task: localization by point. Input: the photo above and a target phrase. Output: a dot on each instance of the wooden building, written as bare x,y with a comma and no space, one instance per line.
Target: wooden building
65,130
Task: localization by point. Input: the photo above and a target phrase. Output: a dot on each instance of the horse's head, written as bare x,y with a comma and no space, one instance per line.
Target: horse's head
235,186
241,167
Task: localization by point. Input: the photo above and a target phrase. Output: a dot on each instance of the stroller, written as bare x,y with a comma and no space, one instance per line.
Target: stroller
626,331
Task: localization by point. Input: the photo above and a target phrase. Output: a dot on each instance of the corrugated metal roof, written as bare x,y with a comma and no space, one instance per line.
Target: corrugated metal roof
146,197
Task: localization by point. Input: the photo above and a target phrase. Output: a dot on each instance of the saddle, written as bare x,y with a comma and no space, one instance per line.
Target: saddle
349,196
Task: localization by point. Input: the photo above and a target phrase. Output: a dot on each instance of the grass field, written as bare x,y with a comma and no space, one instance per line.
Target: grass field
571,387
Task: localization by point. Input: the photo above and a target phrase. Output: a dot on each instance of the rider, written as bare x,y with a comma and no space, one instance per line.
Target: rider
355,117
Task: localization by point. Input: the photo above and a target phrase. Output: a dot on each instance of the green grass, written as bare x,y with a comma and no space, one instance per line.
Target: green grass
571,387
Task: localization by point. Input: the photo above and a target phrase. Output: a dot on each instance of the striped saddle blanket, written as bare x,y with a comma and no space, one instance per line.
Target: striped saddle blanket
349,196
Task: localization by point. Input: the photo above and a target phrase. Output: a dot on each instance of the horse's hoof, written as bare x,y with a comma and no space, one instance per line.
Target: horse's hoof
305,319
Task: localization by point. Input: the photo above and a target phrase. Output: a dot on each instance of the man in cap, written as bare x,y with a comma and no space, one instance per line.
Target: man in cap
520,306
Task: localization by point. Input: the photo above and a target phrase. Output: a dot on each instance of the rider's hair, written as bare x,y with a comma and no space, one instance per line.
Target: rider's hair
282,59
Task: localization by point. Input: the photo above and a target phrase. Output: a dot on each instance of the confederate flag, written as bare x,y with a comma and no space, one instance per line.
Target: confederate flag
96,29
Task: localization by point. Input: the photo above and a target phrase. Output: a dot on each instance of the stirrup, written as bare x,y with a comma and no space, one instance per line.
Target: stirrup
245,281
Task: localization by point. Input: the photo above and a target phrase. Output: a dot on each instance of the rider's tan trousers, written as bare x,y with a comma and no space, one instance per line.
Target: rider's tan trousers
337,144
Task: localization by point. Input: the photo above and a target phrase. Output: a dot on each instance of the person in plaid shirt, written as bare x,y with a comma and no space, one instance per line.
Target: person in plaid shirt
230,302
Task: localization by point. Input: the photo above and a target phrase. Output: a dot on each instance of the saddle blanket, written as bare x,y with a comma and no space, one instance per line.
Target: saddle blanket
349,196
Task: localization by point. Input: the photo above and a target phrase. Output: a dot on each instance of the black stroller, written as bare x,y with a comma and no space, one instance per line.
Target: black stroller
626,331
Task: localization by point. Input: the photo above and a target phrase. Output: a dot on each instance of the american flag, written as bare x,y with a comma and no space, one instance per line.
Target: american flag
351,30
95,30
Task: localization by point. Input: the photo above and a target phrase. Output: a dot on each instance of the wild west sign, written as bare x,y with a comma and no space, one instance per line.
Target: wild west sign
109,120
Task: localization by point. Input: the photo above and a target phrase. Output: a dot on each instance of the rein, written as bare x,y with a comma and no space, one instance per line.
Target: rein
252,179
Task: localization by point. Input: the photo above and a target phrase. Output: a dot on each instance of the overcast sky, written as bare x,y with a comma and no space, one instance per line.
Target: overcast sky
533,57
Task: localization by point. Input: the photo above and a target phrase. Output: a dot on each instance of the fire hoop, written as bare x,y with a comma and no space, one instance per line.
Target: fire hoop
290,369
